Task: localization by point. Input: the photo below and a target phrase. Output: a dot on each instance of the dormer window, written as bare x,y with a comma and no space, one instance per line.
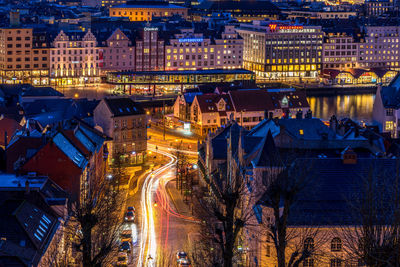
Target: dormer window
389,112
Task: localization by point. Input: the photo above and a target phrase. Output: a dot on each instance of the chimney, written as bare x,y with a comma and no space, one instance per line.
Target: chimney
5,139
308,114
349,156
27,189
333,123
270,115
14,19
299,115
266,114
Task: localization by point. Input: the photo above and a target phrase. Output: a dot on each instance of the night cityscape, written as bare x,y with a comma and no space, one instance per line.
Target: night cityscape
176,133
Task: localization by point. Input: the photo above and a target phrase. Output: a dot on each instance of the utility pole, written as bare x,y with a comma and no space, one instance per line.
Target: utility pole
163,118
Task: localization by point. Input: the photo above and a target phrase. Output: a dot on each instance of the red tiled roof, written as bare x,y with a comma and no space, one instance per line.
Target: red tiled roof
251,100
208,102
10,126
295,99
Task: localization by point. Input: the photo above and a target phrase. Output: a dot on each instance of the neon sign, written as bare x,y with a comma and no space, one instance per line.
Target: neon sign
274,27
191,40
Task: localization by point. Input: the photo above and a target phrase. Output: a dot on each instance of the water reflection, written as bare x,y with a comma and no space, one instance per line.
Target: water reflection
356,107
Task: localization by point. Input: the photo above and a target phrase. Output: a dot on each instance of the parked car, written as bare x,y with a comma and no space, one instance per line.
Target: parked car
129,216
125,246
122,260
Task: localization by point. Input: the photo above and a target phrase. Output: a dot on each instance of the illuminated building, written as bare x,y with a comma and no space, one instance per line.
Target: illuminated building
24,54
386,111
281,51
102,3
340,52
189,50
381,7
149,55
74,59
125,121
155,82
145,11
243,10
118,54
380,47
247,107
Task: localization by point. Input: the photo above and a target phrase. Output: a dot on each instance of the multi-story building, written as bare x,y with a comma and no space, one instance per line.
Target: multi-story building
125,121
340,51
248,107
380,47
74,58
102,3
145,11
379,8
386,110
149,54
118,54
280,50
190,50
24,56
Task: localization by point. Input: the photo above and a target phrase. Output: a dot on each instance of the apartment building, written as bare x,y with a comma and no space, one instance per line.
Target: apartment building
24,56
188,50
380,47
340,51
125,121
118,53
145,11
281,50
74,59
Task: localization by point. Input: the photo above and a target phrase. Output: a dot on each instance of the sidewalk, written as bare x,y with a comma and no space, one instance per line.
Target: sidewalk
177,199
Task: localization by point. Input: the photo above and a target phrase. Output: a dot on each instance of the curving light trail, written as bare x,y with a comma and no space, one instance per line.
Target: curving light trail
148,243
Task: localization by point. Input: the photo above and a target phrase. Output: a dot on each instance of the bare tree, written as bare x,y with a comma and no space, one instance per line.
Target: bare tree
201,249
224,212
284,180
118,169
182,162
374,236
95,223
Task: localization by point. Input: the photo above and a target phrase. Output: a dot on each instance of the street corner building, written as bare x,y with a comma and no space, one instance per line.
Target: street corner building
125,122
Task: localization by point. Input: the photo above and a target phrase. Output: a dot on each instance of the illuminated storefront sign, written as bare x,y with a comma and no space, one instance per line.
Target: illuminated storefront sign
288,28
191,40
148,29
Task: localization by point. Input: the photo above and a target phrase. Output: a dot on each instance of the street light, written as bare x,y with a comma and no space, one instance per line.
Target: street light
109,176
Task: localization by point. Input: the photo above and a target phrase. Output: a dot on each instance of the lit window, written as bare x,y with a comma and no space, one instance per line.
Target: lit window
336,262
301,131
336,244
309,243
308,263
389,126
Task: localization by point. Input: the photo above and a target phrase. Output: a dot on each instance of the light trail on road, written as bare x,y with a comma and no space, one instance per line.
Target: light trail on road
194,153
148,243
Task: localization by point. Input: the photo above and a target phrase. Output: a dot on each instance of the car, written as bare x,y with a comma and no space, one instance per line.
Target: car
125,246
131,209
184,263
129,216
122,259
181,255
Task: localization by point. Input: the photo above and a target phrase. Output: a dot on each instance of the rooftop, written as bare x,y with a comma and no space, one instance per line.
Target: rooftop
123,106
